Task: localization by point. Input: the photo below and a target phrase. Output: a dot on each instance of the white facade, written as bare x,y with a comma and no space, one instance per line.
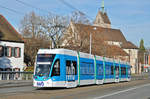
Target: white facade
114,43
133,59
15,56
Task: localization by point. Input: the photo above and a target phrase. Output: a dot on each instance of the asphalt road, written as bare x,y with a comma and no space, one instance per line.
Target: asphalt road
139,89
138,92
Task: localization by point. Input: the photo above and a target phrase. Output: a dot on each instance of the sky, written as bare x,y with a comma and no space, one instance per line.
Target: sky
132,17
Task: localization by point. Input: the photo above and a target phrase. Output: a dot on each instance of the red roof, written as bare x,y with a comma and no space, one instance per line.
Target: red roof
8,32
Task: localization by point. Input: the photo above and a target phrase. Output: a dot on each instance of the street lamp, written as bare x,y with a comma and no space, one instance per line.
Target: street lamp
91,40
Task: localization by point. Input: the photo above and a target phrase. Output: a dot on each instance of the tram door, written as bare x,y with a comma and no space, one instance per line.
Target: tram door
117,74
71,71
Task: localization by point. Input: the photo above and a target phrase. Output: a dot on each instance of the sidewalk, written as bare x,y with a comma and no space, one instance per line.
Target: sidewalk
15,83
140,76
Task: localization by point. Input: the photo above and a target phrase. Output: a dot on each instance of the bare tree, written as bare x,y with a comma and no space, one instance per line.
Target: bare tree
54,27
31,26
40,32
34,37
80,18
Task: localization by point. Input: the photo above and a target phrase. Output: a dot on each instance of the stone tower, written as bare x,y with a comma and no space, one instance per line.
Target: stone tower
102,19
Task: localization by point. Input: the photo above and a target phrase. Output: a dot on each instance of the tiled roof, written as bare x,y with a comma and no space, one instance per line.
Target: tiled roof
107,34
117,51
128,45
7,32
98,37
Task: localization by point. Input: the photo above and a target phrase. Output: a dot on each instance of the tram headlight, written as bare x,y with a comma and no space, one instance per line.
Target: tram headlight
45,78
35,77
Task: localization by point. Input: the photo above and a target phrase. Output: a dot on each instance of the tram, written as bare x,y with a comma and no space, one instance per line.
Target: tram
68,68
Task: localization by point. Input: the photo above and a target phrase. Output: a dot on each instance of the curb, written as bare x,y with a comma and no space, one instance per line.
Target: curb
10,84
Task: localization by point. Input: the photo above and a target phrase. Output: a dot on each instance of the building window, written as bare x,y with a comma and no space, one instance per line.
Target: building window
7,50
1,51
12,51
17,52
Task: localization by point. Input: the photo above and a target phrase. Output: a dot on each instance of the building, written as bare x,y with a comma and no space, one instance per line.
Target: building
11,47
132,50
115,44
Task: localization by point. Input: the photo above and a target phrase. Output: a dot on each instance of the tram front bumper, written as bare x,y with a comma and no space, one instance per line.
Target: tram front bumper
47,83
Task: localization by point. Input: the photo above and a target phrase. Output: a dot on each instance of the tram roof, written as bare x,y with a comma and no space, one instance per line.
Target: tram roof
74,53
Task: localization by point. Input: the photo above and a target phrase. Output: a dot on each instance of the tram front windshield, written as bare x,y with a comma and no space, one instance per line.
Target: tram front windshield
42,70
45,60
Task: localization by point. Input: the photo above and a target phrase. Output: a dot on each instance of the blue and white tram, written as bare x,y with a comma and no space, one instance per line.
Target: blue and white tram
67,68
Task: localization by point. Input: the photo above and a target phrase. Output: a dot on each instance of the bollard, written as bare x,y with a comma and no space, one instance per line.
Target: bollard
7,77
0,76
26,76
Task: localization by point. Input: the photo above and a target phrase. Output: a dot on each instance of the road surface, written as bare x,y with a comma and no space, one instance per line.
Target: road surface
139,89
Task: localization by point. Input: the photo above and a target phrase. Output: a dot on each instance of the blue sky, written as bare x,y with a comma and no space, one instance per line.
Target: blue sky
132,17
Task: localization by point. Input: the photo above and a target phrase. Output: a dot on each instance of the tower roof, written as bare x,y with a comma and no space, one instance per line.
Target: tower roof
102,6
102,20
105,17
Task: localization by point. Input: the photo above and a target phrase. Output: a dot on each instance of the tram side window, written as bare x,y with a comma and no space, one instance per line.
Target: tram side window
123,71
71,67
75,66
117,70
87,68
68,67
107,70
91,69
100,69
112,70
129,71
56,68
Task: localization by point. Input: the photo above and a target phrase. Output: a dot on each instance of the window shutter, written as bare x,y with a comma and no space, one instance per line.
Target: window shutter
12,52
9,48
19,52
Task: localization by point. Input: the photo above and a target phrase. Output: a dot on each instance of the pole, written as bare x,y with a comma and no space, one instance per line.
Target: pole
90,43
144,59
4,49
144,63
78,53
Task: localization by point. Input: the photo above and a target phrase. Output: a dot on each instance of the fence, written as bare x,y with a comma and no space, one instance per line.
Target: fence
140,76
11,75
